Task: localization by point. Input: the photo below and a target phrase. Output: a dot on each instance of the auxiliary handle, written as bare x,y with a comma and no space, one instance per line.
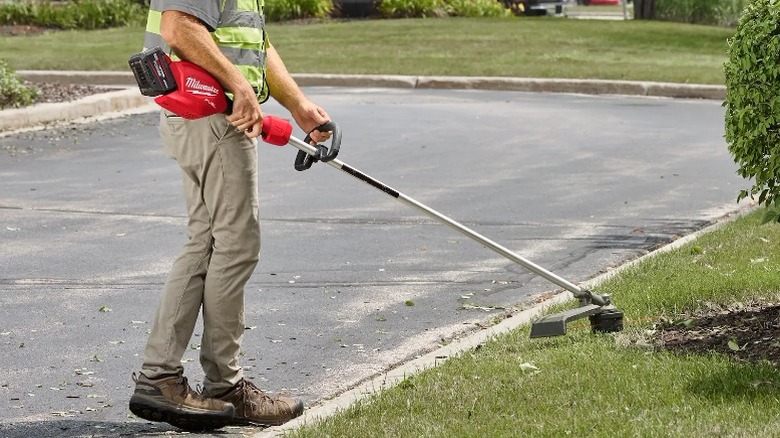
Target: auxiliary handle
304,160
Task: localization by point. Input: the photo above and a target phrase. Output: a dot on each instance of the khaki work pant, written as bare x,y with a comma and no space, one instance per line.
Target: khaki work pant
219,169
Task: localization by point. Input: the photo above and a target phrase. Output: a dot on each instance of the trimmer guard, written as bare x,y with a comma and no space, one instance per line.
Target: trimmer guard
604,318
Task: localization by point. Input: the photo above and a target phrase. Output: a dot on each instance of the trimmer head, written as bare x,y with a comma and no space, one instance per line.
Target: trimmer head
604,317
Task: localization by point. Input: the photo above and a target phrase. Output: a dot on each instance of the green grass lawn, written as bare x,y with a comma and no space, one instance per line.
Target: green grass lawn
613,385
516,47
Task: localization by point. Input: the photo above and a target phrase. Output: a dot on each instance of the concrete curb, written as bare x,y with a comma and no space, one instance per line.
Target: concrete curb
90,106
128,99
578,86
582,86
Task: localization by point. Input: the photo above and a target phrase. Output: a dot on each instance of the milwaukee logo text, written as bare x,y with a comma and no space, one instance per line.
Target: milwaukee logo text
196,87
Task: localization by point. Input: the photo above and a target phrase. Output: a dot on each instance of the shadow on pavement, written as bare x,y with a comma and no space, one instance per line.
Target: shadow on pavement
80,428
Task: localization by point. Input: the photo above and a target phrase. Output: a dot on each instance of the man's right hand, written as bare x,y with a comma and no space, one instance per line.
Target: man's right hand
191,41
247,115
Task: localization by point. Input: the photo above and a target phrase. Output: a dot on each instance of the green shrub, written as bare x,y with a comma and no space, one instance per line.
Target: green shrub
712,12
411,8
13,93
476,8
75,14
753,102
96,14
282,10
438,8
16,13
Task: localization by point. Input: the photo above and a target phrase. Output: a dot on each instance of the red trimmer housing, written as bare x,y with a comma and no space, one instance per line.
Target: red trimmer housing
180,87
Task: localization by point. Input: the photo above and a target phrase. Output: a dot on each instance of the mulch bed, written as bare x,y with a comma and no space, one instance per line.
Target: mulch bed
53,92
20,30
748,333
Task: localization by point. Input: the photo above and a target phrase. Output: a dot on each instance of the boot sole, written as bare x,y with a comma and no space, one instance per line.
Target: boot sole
187,419
246,421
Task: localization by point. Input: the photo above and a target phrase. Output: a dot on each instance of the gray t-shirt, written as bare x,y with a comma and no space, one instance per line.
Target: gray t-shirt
206,11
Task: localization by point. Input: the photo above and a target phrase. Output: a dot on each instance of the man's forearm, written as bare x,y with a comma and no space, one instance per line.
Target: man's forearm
282,86
284,89
191,41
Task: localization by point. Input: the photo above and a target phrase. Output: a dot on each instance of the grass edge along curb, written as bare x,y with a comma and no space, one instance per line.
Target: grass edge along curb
394,377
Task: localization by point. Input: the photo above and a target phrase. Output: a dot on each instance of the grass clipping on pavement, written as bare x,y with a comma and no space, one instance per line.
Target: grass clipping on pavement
624,384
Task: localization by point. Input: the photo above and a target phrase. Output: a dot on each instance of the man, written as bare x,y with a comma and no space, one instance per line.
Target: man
218,159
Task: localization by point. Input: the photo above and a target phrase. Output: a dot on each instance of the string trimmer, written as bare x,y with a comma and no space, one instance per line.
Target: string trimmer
189,91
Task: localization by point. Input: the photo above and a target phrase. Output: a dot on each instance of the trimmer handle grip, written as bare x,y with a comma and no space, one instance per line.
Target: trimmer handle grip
304,161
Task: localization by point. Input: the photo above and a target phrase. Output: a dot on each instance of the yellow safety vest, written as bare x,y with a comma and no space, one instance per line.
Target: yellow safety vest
240,35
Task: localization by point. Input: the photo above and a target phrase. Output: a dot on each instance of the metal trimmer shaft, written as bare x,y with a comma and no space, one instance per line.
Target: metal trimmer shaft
604,317
573,288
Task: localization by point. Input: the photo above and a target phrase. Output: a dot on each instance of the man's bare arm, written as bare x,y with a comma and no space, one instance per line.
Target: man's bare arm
284,89
191,41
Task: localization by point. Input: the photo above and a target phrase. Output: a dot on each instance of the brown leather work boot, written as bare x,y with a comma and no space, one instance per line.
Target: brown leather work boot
254,407
170,399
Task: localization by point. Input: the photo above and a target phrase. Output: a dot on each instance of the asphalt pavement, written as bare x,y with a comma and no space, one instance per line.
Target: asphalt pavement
351,283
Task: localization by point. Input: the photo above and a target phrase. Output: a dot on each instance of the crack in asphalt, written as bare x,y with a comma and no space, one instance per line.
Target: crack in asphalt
676,224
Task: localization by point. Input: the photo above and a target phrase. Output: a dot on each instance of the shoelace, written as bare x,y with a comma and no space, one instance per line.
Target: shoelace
249,388
184,387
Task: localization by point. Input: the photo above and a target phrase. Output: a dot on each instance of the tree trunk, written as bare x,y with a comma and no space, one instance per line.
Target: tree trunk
644,9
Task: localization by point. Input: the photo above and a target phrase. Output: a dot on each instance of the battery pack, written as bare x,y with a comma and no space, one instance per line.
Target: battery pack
152,71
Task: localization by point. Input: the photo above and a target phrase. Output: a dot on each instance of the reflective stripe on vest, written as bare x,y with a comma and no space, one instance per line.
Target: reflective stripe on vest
240,36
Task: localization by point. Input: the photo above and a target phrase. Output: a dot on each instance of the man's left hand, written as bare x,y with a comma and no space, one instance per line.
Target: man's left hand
309,116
